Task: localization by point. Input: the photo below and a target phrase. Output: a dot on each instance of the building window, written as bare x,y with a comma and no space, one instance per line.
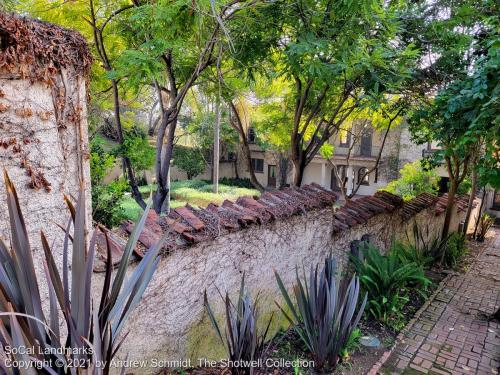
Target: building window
363,177
258,165
251,136
496,201
366,141
344,138
335,183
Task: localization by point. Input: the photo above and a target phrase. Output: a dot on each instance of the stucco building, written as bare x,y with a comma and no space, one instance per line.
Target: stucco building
355,152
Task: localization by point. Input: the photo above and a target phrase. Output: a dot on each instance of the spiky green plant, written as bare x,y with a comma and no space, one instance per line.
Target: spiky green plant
93,326
456,249
485,223
386,278
324,312
243,340
424,249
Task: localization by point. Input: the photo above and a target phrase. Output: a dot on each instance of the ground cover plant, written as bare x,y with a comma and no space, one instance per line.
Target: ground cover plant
94,326
325,311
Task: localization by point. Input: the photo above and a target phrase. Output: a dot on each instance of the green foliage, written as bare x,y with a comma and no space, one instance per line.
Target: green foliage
195,192
352,344
414,180
410,253
324,313
485,223
243,340
463,118
190,160
423,249
106,198
137,148
92,325
386,278
456,249
237,182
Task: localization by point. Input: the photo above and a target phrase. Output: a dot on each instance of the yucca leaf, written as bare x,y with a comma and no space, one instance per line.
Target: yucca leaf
127,253
211,316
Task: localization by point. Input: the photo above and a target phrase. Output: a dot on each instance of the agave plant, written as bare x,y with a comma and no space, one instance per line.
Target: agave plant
93,327
385,278
243,340
325,311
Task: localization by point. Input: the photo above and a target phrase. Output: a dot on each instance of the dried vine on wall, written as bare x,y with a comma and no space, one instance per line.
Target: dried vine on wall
43,52
38,50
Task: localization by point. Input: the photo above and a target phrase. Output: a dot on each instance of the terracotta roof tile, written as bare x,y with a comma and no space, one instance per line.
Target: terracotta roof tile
191,225
187,215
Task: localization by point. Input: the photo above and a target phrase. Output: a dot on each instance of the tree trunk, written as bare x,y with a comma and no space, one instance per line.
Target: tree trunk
236,174
471,200
247,154
163,166
299,166
450,205
216,145
283,172
479,213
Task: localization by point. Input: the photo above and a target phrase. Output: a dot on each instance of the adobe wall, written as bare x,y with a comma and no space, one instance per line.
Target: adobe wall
43,126
171,324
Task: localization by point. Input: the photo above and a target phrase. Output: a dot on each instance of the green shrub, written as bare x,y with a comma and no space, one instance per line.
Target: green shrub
238,182
414,180
93,325
352,344
243,340
324,313
106,198
456,249
424,249
386,278
190,160
410,253
484,225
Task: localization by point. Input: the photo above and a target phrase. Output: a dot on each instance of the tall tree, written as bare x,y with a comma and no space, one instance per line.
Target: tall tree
464,119
337,58
174,44
457,43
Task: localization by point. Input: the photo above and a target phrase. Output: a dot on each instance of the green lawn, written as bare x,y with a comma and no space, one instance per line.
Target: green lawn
195,192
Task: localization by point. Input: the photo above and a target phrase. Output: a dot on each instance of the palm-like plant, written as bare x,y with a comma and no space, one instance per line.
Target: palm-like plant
325,311
385,278
243,340
93,326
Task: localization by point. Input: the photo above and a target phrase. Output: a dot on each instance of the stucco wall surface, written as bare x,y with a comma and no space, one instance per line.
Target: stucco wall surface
51,144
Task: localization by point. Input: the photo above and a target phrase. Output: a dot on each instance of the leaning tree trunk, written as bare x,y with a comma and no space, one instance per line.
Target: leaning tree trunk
479,213
471,201
450,205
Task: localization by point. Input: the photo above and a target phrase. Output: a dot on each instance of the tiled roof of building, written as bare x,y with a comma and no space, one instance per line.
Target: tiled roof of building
187,225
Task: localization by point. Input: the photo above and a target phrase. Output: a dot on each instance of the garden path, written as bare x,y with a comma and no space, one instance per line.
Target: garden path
453,335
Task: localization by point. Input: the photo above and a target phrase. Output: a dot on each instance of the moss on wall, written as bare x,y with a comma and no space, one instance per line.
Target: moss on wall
202,341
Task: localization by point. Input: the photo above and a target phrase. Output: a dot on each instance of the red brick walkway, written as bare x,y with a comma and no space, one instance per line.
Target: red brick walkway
452,335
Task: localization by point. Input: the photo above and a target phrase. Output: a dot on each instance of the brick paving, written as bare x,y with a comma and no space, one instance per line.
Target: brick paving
453,335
